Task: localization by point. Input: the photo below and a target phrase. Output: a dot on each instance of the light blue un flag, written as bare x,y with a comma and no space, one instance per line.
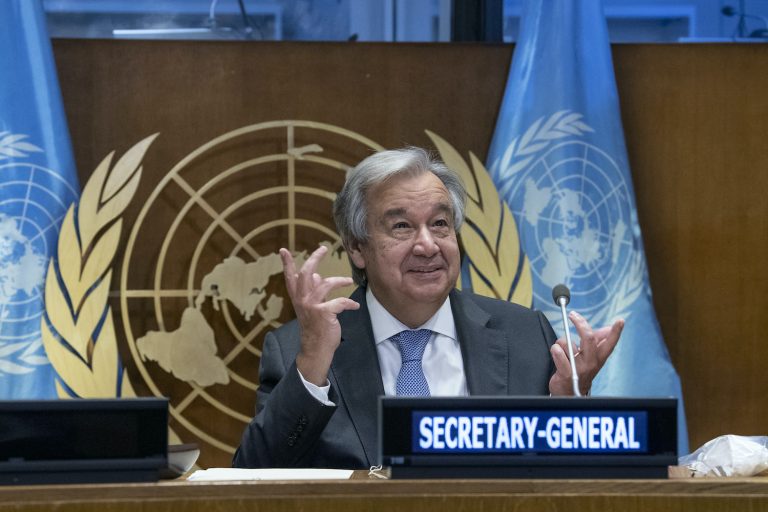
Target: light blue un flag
37,184
558,159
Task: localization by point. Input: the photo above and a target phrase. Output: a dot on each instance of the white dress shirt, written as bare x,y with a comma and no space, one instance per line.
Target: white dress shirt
442,363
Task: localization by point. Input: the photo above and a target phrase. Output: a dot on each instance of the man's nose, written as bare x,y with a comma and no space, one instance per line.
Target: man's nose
425,244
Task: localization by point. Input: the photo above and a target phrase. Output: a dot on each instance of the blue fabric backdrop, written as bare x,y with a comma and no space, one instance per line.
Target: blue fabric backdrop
38,183
559,160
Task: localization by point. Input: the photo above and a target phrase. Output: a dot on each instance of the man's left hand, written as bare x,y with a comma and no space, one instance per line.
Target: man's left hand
594,349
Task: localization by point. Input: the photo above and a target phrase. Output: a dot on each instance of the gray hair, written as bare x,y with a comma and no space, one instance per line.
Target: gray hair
350,209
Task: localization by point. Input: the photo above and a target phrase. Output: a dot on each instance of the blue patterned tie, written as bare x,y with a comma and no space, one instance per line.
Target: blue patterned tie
411,380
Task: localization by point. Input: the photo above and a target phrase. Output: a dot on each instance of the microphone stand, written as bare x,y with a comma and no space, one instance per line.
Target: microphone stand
571,357
562,296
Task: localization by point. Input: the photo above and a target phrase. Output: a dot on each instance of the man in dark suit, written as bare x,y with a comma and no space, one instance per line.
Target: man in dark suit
405,330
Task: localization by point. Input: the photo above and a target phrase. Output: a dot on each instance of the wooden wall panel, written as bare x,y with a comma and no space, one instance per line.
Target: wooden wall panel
694,117
696,120
119,92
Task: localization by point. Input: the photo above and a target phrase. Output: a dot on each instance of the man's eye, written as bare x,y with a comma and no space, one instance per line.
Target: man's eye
441,223
400,225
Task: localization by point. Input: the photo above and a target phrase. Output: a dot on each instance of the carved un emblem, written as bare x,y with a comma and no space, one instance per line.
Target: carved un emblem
200,282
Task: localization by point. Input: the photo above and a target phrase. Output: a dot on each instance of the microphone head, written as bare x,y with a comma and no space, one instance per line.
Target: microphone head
561,291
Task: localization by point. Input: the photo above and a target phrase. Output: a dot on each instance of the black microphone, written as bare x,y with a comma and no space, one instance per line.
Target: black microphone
731,11
562,296
561,292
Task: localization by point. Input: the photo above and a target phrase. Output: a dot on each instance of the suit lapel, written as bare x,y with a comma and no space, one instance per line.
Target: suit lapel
356,375
484,350
356,372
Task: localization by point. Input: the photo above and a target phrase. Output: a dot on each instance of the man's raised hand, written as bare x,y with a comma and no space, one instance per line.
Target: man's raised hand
594,349
320,329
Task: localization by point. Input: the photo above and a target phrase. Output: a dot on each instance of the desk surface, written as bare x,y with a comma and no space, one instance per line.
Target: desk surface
365,494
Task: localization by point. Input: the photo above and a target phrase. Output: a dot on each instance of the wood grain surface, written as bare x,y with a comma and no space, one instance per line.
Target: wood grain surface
701,495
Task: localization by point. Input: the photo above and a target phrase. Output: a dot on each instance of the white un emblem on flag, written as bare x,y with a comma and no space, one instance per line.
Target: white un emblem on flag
33,201
574,214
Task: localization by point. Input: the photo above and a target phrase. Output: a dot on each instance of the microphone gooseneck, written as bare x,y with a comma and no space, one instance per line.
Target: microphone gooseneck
562,296
741,28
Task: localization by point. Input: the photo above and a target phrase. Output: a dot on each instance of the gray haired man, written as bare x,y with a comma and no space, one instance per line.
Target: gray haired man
406,330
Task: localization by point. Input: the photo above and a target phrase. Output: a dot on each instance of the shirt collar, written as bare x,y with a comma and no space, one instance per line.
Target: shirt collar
385,325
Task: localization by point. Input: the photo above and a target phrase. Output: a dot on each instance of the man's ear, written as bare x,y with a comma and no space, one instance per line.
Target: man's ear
356,255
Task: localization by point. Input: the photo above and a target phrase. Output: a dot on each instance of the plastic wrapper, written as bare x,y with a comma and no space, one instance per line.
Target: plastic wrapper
729,455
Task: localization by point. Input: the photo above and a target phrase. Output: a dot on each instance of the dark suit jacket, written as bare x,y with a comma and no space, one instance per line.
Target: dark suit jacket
505,348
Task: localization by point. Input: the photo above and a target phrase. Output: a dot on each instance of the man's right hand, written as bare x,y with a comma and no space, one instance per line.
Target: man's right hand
317,316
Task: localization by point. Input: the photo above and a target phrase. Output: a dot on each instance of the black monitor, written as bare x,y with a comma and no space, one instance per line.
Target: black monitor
69,441
528,437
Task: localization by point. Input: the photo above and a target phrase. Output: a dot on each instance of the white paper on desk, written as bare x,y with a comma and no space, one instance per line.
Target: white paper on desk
231,474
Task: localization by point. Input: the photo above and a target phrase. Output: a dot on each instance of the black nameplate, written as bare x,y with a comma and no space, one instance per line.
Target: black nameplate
528,437
82,441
